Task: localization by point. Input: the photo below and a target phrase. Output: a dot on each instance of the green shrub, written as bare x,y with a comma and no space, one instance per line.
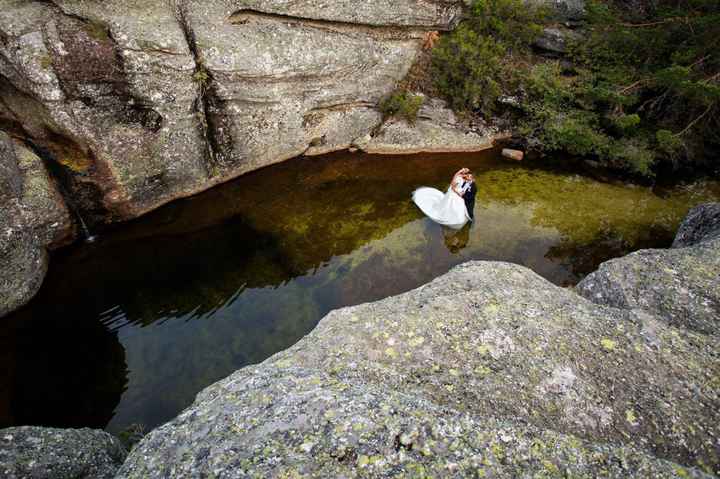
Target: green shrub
513,23
644,87
473,64
668,143
576,133
201,76
626,123
467,69
402,104
634,155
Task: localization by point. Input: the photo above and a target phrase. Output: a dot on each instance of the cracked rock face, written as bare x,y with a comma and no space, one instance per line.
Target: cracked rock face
488,370
144,102
47,453
33,217
679,285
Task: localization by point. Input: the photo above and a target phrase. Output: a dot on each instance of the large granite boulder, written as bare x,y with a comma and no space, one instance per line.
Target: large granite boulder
702,223
488,370
24,265
144,102
47,453
33,218
679,285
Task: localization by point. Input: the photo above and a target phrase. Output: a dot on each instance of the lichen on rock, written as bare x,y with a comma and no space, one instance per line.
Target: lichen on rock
48,453
33,217
679,285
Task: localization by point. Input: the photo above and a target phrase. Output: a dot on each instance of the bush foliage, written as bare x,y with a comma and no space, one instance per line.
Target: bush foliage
402,104
643,87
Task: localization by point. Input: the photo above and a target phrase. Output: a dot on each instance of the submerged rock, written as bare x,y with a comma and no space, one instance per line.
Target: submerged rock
47,453
33,217
489,369
680,285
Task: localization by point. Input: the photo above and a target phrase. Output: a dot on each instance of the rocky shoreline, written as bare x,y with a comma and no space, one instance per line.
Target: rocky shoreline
129,107
488,370
141,104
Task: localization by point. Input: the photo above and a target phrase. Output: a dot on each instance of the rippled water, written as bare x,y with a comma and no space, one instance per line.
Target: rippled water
128,329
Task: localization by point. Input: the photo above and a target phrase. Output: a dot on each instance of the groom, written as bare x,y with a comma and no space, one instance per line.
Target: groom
469,192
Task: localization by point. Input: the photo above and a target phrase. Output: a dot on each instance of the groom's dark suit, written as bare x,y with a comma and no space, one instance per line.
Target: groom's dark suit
469,198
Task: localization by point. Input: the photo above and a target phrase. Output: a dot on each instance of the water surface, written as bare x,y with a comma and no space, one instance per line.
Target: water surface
128,329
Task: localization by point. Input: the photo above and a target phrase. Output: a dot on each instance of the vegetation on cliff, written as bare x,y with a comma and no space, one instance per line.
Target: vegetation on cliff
636,89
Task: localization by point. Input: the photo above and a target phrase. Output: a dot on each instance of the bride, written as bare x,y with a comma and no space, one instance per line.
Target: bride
447,209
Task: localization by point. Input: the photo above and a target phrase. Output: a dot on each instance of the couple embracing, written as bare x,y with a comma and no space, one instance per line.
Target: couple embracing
453,208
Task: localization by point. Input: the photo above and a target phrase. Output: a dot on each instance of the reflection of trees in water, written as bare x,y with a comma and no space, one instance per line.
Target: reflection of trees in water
59,370
272,239
582,259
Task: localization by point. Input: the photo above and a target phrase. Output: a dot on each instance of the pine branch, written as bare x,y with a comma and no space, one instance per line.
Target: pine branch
702,115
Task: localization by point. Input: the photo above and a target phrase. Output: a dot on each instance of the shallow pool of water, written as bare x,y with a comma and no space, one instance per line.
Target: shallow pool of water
128,329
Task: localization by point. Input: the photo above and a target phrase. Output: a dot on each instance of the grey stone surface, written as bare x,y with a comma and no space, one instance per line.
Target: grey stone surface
144,102
24,265
47,453
565,10
435,130
33,217
489,370
680,285
701,224
10,178
555,39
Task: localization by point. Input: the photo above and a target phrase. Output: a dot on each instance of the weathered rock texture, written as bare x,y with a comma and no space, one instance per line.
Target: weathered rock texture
46,453
701,224
487,371
143,102
33,217
679,285
435,130
556,39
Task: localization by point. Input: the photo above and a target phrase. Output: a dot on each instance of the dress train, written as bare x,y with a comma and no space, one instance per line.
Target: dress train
448,209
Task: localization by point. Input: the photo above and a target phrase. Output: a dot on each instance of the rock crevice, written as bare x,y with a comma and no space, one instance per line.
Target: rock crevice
380,31
206,102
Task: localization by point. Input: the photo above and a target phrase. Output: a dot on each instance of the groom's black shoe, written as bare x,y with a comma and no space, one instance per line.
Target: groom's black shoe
469,198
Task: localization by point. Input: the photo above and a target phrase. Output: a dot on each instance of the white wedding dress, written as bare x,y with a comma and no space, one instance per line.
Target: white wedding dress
447,209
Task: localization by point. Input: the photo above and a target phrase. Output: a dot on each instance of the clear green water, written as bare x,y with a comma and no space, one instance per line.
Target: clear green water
128,329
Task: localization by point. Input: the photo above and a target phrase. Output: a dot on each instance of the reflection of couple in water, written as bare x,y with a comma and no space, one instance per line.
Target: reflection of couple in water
453,208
